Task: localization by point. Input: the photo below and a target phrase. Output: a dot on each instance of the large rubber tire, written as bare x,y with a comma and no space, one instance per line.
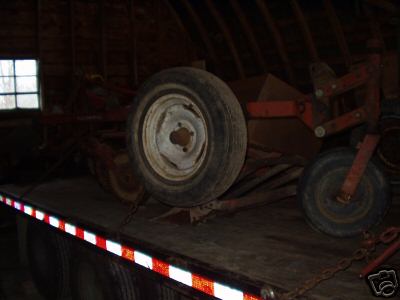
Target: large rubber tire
48,257
196,99
95,276
320,184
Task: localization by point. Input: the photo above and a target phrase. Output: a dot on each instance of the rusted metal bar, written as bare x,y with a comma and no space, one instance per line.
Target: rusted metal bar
344,121
390,251
199,213
248,186
338,30
280,45
273,160
370,142
249,34
203,33
290,176
358,167
228,37
312,49
281,109
256,199
347,82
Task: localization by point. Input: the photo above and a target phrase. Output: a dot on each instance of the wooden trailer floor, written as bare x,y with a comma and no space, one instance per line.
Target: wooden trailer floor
272,244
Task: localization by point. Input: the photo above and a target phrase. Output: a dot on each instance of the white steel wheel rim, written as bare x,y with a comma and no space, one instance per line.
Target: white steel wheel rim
174,137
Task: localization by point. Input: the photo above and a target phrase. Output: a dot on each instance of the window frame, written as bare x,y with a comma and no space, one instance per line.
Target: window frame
16,93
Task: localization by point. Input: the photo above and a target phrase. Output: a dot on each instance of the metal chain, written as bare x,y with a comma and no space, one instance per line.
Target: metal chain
369,246
132,211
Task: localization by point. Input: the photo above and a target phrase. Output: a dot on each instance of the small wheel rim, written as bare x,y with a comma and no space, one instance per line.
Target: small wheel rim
175,137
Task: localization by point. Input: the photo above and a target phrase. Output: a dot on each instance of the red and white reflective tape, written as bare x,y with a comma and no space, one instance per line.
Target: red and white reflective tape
185,277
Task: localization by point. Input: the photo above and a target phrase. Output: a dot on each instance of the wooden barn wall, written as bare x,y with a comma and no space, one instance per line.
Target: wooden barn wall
125,41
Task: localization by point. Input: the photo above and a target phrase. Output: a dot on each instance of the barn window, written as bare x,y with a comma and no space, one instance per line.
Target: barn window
19,84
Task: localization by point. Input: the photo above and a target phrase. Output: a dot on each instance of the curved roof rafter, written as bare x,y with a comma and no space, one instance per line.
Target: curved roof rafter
254,44
203,33
228,37
280,44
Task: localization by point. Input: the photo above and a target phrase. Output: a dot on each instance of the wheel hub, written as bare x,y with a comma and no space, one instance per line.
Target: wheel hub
181,137
342,211
175,137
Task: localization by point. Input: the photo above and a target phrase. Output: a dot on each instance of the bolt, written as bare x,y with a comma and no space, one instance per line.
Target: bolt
319,93
319,131
268,293
357,115
333,86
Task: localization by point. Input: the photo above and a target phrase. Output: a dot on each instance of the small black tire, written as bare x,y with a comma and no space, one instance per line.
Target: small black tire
207,153
95,276
123,184
48,257
320,184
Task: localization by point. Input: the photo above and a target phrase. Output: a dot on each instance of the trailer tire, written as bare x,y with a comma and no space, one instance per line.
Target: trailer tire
320,183
99,277
186,136
48,258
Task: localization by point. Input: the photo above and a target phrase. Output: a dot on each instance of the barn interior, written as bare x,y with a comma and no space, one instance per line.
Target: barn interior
313,84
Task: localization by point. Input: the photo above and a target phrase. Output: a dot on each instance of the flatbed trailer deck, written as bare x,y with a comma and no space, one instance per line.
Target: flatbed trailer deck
252,251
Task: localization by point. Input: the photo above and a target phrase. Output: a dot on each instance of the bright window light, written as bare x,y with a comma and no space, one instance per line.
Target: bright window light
19,84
